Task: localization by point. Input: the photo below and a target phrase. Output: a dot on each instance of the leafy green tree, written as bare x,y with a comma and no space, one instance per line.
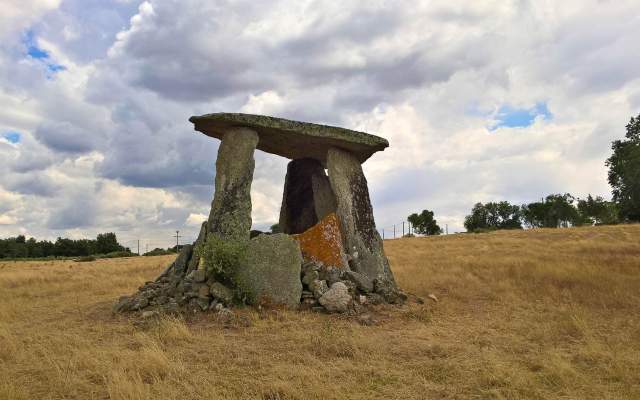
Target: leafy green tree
534,214
492,216
597,211
624,172
561,211
424,223
107,243
555,211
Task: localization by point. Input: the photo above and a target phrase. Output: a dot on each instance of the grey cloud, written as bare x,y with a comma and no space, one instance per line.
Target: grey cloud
167,159
85,29
32,183
75,212
65,137
173,58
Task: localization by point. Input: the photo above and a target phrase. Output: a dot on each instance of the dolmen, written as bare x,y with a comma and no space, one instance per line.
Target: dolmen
329,256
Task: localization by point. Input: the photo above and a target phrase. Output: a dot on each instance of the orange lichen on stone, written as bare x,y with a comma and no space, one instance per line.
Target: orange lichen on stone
323,242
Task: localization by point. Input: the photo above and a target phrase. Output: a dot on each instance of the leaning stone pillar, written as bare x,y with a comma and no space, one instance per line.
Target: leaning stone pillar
230,215
361,239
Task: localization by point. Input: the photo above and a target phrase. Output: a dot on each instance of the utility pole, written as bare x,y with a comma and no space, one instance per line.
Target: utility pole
382,233
446,227
402,228
177,240
138,246
394,231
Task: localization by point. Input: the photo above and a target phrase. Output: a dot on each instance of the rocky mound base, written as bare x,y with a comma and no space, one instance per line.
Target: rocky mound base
322,289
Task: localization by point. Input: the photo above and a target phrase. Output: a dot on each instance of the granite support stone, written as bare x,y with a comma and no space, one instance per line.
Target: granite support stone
361,239
230,215
307,196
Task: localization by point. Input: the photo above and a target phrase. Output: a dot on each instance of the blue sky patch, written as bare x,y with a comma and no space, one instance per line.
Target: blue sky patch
13,137
510,117
37,53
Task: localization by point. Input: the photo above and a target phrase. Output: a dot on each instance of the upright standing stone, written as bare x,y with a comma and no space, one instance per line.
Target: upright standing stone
307,196
361,239
230,215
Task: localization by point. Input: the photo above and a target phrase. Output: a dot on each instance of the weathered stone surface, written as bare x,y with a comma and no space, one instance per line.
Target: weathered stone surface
180,265
318,288
203,291
389,291
331,275
356,216
221,292
309,277
203,303
124,303
307,196
195,258
199,275
272,272
310,266
323,243
323,199
363,283
337,298
292,139
230,216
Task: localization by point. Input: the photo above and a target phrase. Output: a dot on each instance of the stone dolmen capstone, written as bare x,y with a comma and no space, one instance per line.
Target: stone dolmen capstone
329,257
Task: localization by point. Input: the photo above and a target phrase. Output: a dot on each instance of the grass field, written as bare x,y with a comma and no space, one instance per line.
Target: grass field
543,314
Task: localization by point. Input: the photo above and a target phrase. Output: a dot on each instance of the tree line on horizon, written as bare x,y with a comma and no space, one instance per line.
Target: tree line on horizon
554,211
21,247
563,210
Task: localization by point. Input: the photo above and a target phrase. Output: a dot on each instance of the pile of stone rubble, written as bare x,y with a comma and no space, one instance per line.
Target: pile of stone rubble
337,290
324,289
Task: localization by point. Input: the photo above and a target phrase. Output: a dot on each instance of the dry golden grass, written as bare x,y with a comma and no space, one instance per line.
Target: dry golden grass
541,314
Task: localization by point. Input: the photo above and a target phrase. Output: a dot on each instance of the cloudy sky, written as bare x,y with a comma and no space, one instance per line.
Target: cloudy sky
480,101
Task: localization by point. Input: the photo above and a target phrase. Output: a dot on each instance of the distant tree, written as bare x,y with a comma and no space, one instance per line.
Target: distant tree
492,216
275,228
107,243
597,211
534,215
64,248
555,211
424,223
624,172
562,212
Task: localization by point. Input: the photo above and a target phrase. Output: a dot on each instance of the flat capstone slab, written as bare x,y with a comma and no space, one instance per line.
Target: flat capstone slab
292,139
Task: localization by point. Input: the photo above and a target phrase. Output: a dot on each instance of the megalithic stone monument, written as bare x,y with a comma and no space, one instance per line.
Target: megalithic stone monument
329,255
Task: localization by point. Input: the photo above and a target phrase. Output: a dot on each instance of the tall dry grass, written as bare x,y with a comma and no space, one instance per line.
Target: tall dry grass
539,314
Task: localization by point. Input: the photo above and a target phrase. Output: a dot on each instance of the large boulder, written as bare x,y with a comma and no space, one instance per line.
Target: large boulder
270,273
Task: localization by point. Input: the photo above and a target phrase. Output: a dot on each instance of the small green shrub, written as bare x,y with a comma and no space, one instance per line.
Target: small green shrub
221,257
